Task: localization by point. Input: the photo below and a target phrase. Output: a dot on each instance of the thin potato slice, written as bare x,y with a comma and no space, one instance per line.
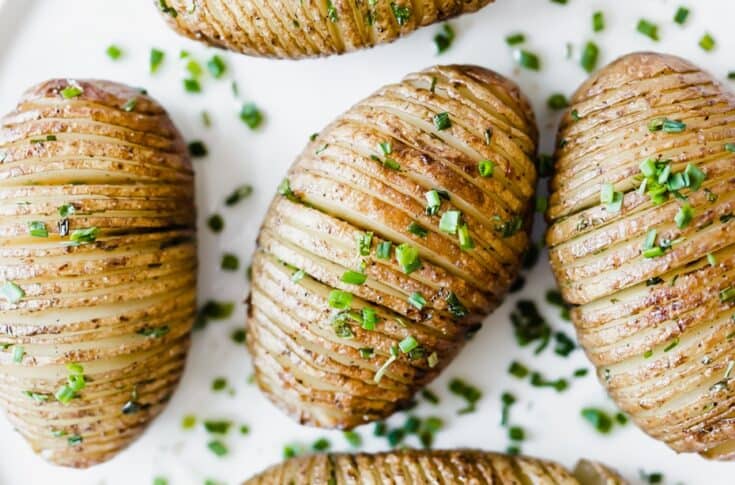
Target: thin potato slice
289,29
97,266
333,350
655,277
413,467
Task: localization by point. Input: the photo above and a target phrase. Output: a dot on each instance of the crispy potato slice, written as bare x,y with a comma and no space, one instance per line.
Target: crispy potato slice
654,279
307,28
409,467
353,207
97,266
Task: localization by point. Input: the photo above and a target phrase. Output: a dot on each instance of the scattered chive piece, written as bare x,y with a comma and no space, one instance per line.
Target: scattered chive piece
507,399
590,54
84,236
417,300
364,243
727,295
219,384
648,29
408,344
239,335
353,438
433,202
684,216
340,300
518,370
527,59
444,38
251,115
114,52
542,203
130,105
197,149
194,68
681,15
74,440
216,67
694,177
711,259
672,345
417,229
653,252
37,229
456,308
650,240
332,14
730,147
450,221
430,396
673,126
70,92
515,39
384,368
216,223
465,240
707,42
160,481
467,392
408,258
383,250
322,444
575,115
598,21
240,193
353,278
401,13
217,427
192,86
156,59
18,353
599,419
369,319
442,121
516,433
188,421
230,262
557,102
486,168
298,276
218,448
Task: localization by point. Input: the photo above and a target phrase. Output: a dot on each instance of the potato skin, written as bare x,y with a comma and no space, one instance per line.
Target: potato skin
657,328
290,29
317,362
117,307
420,467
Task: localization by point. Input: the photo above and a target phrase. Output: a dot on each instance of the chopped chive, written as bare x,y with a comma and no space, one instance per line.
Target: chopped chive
711,259
527,60
730,147
650,240
353,278
648,29
684,216
197,149
130,105
590,54
156,59
599,419
449,221
681,15
455,306
598,21
369,318
192,86
216,223
727,295
401,13
516,433
219,384
707,42
653,252
84,236
298,276
18,353
672,345
694,177
251,115
465,240
486,168
518,370
408,344
340,300
444,38
673,126
466,391
417,229
353,438
218,448
216,67
229,262
114,52
37,229
507,399
515,39
383,250
70,92
417,300
240,193
433,202
408,258
542,203
364,243
442,121
557,102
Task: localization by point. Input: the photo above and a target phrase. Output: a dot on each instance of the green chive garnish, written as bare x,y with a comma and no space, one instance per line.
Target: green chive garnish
648,29
353,278
557,102
114,52
408,258
340,300
707,42
515,39
251,115
156,59
486,168
37,229
450,221
442,121
527,60
590,54
417,300
598,21
681,15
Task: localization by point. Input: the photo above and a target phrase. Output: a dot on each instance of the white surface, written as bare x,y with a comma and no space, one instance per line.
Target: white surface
57,38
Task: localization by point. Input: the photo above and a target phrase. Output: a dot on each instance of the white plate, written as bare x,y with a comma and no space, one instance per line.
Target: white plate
48,38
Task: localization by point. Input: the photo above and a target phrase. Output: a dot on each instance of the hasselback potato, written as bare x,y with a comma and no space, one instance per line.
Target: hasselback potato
397,230
309,28
411,467
97,266
642,240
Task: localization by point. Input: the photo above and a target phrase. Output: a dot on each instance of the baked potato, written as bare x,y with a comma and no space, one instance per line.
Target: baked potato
642,240
97,266
291,30
419,467
398,229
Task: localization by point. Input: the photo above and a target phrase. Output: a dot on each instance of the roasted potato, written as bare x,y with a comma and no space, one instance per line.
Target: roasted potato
419,467
308,28
642,239
398,229
97,266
